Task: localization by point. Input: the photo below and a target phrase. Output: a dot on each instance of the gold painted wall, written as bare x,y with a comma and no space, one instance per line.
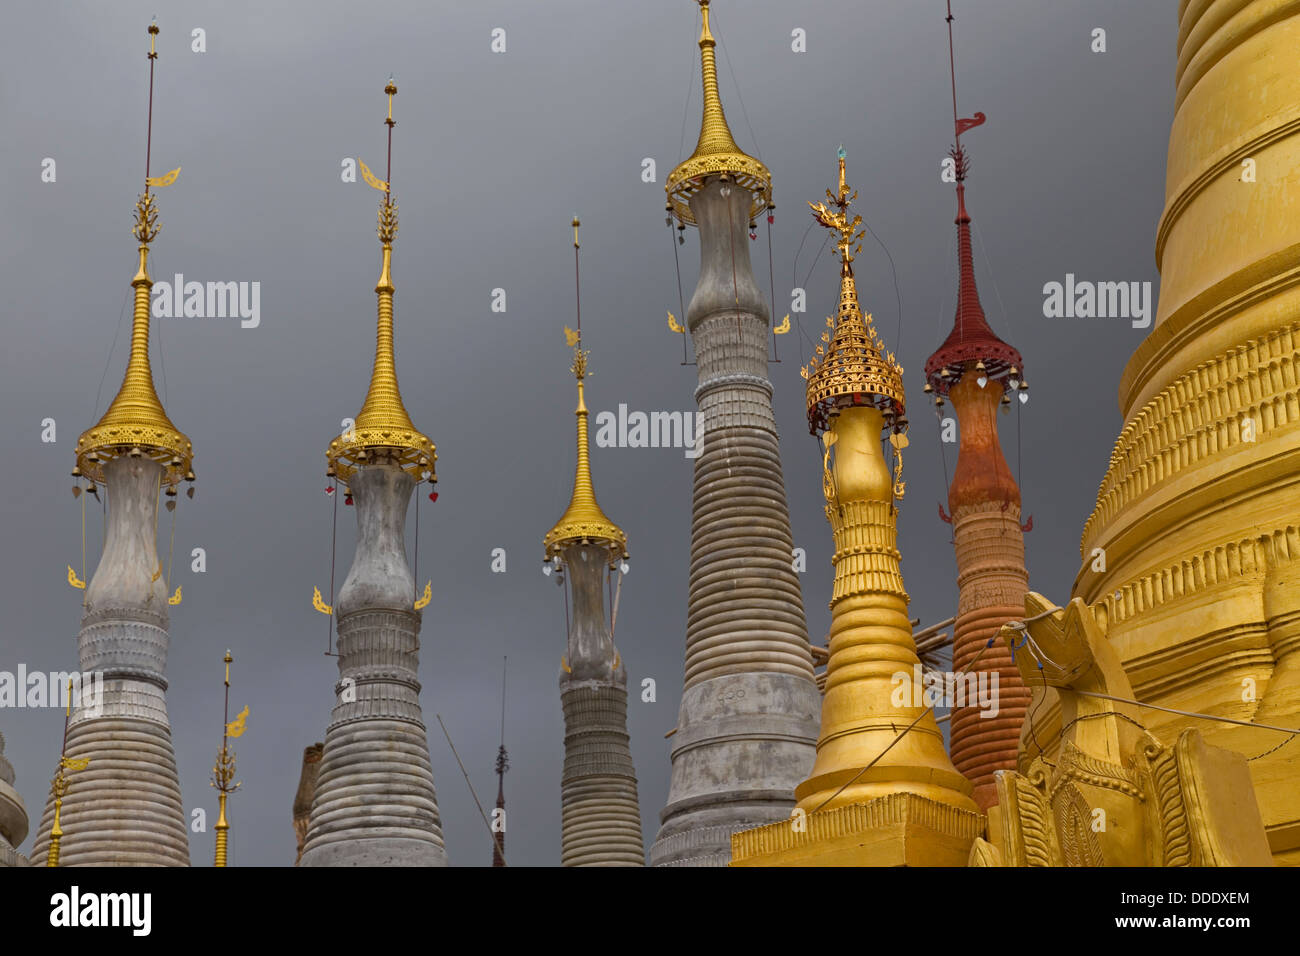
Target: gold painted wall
1197,514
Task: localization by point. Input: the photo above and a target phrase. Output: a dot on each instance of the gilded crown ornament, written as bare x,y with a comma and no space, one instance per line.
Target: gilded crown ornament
852,367
383,430
716,153
135,423
583,522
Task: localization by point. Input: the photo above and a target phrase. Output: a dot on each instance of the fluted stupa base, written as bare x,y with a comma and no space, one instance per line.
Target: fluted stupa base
743,743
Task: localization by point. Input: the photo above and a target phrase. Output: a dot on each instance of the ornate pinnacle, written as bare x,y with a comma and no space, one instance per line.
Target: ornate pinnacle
383,430
716,153
387,223
851,368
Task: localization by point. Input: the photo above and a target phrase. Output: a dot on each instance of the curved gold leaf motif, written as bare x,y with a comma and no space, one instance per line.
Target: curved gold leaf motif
237,726
564,664
167,180
784,327
371,179
319,604
75,581
571,336
175,598
75,763
426,597
674,325
157,572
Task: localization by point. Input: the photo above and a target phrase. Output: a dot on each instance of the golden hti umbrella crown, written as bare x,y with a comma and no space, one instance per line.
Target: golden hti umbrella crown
583,522
383,430
716,153
135,422
851,367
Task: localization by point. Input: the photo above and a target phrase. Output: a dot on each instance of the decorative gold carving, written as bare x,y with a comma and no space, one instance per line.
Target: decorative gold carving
1223,564
318,602
167,179
371,179
1198,415
674,325
175,598
426,597
387,229
783,328
237,726
1116,797
855,369
75,581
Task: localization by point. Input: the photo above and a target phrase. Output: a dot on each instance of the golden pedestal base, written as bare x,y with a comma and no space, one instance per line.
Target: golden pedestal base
900,829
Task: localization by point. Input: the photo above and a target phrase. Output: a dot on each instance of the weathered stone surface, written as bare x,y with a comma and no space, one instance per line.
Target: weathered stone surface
124,808
748,722
601,819
13,815
375,803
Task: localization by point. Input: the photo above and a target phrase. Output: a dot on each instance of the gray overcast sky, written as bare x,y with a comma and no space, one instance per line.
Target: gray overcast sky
494,153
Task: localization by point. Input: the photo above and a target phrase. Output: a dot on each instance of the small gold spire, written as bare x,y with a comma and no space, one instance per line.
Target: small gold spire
223,771
136,418
855,370
383,430
583,522
716,152
59,785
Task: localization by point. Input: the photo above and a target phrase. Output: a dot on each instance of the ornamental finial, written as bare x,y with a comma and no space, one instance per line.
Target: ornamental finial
383,430
135,423
223,771
716,153
851,367
582,522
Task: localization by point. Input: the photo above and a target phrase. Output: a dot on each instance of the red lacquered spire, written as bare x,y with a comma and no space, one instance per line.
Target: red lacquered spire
971,339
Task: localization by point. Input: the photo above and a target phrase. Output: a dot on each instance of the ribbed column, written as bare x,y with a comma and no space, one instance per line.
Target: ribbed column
375,803
992,583
748,720
1204,477
872,655
124,808
13,815
601,816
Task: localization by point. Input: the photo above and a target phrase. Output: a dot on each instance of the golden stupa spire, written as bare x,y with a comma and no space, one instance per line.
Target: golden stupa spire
135,423
716,153
583,522
59,785
383,430
851,367
223,771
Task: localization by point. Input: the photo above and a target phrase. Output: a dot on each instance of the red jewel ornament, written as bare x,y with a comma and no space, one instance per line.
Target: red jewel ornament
348,499
753,235
330,491
433,496
771,219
